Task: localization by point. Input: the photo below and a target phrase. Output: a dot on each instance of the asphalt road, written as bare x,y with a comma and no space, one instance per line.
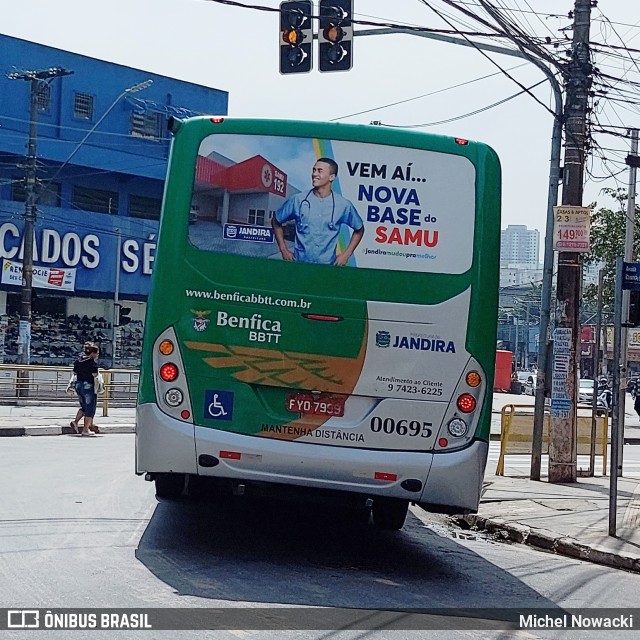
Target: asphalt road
79,529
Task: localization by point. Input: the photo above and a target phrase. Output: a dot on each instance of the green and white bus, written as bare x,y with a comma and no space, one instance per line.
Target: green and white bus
322,317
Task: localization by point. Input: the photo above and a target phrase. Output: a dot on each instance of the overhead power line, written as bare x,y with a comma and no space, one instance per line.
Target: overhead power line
425,95
491,60
368,23
470,113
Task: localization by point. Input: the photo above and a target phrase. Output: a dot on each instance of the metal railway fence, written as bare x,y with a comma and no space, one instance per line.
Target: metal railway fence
30,384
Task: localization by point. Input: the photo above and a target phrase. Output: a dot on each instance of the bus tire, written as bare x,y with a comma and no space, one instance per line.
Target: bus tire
169,485
389,513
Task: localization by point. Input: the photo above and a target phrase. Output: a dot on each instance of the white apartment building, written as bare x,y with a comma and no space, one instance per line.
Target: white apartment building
519,247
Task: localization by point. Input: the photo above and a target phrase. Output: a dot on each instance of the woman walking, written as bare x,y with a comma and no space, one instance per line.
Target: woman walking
85,368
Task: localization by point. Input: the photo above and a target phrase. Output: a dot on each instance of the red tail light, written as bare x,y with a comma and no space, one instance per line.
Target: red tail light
466,403
169,372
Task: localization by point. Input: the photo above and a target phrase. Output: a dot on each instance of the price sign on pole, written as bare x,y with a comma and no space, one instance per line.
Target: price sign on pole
571,229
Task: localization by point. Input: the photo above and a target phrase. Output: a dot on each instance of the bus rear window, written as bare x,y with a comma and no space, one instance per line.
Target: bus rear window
333,202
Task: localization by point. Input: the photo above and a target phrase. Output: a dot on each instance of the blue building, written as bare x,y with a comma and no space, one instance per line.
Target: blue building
102,149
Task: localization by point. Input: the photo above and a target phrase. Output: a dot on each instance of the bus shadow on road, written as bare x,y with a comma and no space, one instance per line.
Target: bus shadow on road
269,551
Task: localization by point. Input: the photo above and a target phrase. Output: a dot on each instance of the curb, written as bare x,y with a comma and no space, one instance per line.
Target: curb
57,430
543,539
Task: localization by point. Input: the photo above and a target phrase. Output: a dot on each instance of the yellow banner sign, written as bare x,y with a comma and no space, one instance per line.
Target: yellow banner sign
633,341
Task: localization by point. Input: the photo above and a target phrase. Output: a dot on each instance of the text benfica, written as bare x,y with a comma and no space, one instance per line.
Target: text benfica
310,431
254,322
573,621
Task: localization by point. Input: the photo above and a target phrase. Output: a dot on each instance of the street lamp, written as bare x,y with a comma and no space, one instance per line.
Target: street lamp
134,89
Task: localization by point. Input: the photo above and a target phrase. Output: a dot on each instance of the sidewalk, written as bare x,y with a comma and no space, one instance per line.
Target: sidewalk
48,420
569,519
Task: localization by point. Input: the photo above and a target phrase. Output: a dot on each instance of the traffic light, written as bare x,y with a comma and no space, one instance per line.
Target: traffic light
296,36
123,315
335,35
634,309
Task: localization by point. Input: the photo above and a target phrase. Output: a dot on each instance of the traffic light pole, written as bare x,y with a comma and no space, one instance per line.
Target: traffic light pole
624,331
552,199
547,285
547,272
617,393
494,48
627,278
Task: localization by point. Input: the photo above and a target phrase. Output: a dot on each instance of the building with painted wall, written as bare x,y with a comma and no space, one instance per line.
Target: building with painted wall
102,154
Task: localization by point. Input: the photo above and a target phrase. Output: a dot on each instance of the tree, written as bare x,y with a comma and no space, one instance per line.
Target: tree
607,243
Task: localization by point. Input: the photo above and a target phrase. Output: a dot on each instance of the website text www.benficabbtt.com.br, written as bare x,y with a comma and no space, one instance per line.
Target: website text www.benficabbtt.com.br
249,298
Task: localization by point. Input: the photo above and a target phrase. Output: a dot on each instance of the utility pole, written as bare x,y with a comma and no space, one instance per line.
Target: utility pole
630,217
596,375
563,433
116,302
39,81
526,339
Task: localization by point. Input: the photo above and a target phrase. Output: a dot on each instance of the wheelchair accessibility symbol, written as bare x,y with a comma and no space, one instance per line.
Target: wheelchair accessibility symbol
216,410
218,405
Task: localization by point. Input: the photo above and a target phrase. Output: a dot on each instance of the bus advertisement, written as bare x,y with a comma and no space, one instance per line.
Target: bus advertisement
323,315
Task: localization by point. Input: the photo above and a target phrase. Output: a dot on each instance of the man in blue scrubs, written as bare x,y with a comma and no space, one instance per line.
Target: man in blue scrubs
318,215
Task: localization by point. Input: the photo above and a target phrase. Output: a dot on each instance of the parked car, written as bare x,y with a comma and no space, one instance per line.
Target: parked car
522,381
586,388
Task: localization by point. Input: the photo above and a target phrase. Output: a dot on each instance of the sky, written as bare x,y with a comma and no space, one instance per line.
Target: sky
236,50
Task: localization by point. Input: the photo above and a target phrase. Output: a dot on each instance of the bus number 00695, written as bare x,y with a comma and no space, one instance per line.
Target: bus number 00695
401,427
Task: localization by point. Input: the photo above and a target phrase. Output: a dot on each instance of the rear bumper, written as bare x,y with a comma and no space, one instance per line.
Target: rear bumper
163,444
454,484
447,479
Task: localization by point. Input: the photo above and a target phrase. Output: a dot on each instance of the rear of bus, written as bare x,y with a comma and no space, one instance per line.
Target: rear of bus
370,381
